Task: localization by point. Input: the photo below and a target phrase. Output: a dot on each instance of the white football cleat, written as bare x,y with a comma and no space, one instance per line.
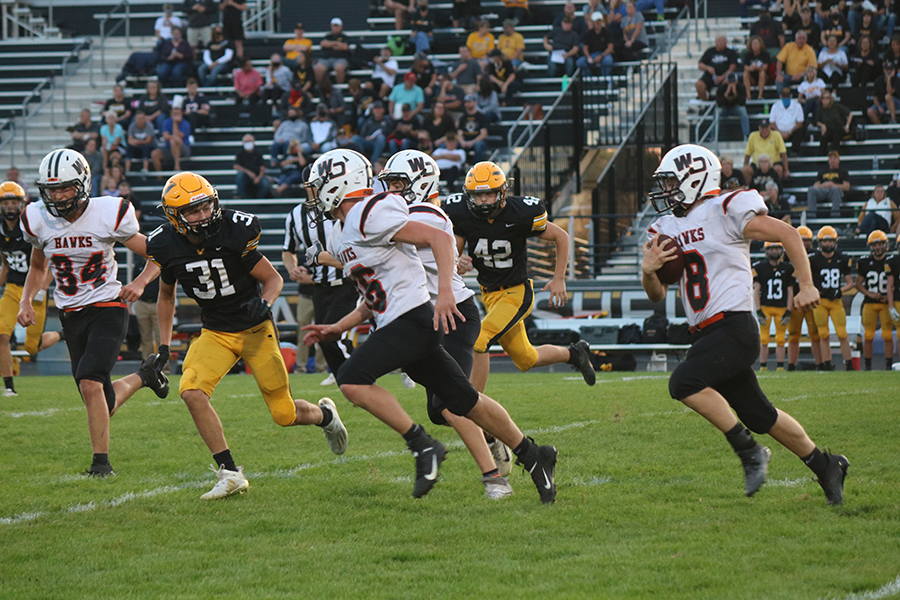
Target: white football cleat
407,381
496,488
328,380
502,457
8,393
335,432
230,482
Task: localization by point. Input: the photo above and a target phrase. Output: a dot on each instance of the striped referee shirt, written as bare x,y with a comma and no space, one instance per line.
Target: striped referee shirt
301,232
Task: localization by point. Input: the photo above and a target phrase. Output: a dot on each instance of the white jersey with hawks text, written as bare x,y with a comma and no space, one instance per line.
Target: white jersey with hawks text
81,253
434,216
717,275
389,275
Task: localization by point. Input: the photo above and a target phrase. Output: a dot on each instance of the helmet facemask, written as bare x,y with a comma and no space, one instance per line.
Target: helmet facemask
11,208
69,206
775,252
671,196
202,228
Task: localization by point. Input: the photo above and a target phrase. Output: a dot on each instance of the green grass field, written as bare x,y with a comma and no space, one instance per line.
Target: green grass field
650,501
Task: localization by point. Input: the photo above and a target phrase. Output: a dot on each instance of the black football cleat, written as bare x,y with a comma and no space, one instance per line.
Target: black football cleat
101,471
756,466
153,378
583,361
543,466
429,456
833,481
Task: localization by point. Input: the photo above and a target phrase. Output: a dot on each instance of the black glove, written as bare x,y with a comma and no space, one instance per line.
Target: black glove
786,318
312,254
162,357
257,309
761,317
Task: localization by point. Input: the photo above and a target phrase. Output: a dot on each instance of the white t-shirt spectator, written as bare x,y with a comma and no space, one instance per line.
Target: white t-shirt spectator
165,29
379,73
786,119
838,60
811,90
445,161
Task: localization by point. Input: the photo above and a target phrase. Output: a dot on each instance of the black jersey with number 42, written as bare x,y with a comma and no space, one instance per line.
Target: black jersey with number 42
498,246
215,273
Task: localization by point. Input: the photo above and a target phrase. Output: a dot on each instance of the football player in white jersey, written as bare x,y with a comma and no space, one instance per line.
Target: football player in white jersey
73,235
415,175
376,243
714,231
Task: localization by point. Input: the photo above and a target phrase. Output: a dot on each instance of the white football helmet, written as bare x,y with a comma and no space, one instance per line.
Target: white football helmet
61,169
336,175
685,174
419,173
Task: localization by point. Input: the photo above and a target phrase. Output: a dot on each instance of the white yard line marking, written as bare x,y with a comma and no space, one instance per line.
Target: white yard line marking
885,591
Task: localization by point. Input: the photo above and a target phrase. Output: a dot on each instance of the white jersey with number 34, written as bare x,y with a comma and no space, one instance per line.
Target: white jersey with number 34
717,275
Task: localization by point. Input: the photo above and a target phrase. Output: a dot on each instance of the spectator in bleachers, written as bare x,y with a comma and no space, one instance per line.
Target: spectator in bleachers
423,142
866,66
765,141
247,84
835,121
563,45
488,102
642,5
791,62
216,58
406,93
833,64
293,127
85,129
591,8
787,119
141,141
176,146
879,212
466,70
717,63
634,34
109,183
324,133
803,21
731,178
881,18
373,134
291,168
278,81
472,130
201,16
866,28
598,48
421,23
438,123
809,92
837,26
831,185
335,53
94,159
296,45
502,76
451,159
113,159
481,41
464,12
302,83
404,135
892,53
154,104
517,10
119,105
233,24
332,100
400,10
731,100
450,95
360,97
426,75
511,43
163,26
384,73
764,174
195,106
250,179
886,99
756,66
111,135
578,24
175,57
823,11
768,29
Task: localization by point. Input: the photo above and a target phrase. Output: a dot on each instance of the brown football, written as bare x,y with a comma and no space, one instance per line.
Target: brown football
671,271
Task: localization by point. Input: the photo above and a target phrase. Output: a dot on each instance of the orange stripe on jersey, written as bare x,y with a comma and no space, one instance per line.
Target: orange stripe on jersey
23,218
123,210
251,245
728,199
359,193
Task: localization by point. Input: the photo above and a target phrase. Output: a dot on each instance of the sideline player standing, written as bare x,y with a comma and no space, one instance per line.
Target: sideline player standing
773,290
213,253
798,315
828,265
16,252
74,234
495,227
376,242
871,281
717,374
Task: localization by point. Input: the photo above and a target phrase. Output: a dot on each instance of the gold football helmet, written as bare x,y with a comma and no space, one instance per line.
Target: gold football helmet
827,233
187,192
805,232
485,177
774,250
876,237
10,190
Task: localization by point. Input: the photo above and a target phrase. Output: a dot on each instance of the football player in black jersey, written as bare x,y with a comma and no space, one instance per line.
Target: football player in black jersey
829,265
892,268
213,253
798,315
872,283
495,227
773,280
16,254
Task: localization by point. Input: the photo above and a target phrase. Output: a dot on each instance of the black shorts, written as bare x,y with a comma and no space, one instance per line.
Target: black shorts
722,357
708,81
94,336
330,305
410,342
232,25
459,344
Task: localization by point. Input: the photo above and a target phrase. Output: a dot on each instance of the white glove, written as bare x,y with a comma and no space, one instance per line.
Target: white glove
895,316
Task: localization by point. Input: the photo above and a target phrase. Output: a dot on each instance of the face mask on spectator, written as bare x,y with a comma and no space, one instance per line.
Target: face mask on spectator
248,146
786,102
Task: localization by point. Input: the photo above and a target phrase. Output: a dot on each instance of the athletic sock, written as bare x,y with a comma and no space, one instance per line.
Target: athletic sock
327,416
791,367
740,438
817,462
100,460
8,382
524,447
492,473
415,435
848,365
573,356
888,363
223,459
780,366
868,364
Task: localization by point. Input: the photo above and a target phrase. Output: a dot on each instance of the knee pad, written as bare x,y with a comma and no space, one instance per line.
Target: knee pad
32,346
764,336
887,336
283,413
526,360
759,419
824,332
869,335
680,387
779,337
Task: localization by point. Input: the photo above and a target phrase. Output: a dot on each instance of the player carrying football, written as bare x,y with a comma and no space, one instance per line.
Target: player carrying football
872,283
773,279
828,266
717,374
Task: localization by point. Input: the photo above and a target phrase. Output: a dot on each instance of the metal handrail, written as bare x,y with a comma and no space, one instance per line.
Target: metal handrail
8,141
105,34
710,114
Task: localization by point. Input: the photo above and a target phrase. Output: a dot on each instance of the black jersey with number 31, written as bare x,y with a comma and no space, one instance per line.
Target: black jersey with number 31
215,273
498,246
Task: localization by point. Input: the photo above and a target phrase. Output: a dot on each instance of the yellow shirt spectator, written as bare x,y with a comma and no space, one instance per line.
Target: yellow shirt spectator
773,145
511,44
479,45
797,59
297,44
